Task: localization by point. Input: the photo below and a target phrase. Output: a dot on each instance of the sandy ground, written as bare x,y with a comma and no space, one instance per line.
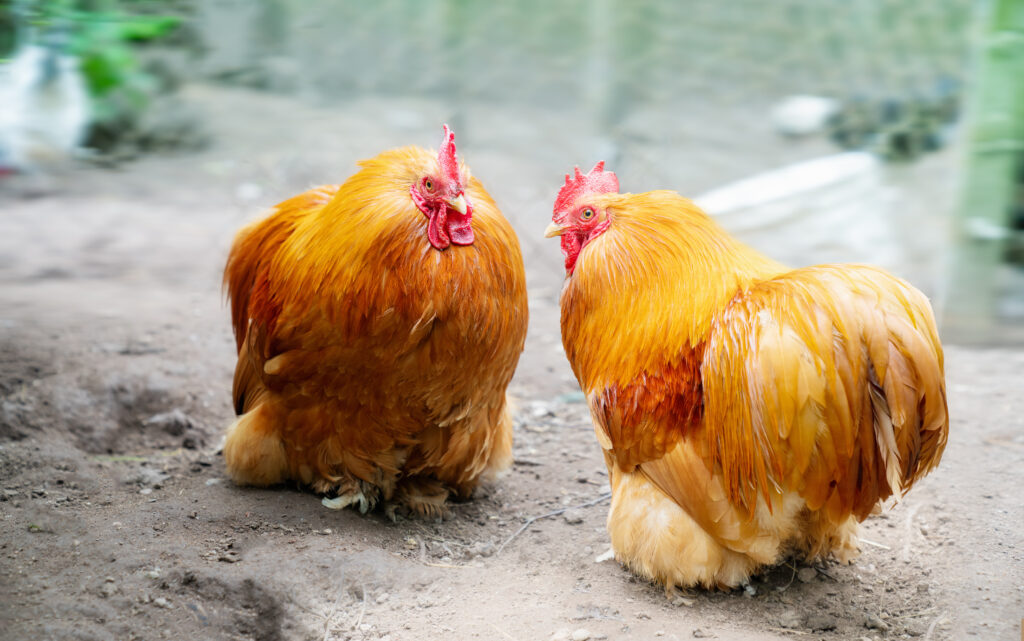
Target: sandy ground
117,522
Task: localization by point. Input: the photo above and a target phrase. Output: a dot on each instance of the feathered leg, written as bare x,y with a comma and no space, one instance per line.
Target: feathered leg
345,491
422,496
824,538
658,540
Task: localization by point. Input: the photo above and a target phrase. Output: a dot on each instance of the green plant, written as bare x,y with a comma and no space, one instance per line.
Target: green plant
104,35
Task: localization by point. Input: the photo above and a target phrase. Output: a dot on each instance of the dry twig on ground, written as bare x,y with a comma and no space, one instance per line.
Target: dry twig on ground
533,519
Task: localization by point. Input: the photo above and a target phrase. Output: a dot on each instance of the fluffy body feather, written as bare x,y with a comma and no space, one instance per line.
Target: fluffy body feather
371,364
746,410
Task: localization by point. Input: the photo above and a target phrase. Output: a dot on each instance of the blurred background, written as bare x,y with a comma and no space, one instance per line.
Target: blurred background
136,135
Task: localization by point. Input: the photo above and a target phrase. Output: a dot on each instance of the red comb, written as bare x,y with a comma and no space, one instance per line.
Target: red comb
597,180
446,157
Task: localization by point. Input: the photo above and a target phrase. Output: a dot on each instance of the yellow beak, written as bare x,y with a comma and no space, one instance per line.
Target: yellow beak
554,229
458,203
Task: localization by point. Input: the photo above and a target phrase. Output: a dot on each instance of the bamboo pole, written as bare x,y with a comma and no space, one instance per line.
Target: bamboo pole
994,150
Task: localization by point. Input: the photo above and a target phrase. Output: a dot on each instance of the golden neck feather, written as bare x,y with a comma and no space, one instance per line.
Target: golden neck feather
647,289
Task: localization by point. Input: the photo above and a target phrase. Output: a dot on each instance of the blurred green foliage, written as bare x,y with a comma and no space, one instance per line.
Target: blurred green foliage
8,28
104,41
103,34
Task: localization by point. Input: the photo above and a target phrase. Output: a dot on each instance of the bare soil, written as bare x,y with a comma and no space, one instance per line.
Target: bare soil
117,521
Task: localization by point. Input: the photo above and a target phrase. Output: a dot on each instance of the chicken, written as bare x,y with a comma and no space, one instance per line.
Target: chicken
378,324
746,411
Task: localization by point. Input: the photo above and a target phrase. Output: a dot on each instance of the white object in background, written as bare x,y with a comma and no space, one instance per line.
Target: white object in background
45,109
827,210
803,115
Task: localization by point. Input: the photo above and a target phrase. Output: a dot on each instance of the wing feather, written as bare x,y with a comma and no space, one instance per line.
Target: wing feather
827,380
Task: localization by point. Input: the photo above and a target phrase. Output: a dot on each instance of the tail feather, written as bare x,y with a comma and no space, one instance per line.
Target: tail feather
908,404
885,436
247,389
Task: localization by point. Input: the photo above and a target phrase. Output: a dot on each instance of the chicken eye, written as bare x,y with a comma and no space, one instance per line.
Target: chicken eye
587,214
429,184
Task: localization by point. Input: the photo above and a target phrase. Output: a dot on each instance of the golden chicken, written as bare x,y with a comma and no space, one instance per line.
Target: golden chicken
378,324
746,410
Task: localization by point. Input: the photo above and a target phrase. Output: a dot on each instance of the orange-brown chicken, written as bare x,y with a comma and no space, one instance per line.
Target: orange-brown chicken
378,325
746,410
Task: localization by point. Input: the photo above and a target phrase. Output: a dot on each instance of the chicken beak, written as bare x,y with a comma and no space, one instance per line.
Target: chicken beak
458,204
554,229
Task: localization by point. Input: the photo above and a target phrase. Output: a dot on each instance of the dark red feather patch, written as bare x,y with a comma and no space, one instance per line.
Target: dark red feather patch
647,417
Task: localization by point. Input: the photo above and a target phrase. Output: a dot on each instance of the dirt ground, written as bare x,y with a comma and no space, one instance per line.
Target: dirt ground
117,521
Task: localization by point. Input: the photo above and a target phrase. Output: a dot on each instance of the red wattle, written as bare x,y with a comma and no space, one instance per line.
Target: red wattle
445,226
460,227
571,243
437,232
